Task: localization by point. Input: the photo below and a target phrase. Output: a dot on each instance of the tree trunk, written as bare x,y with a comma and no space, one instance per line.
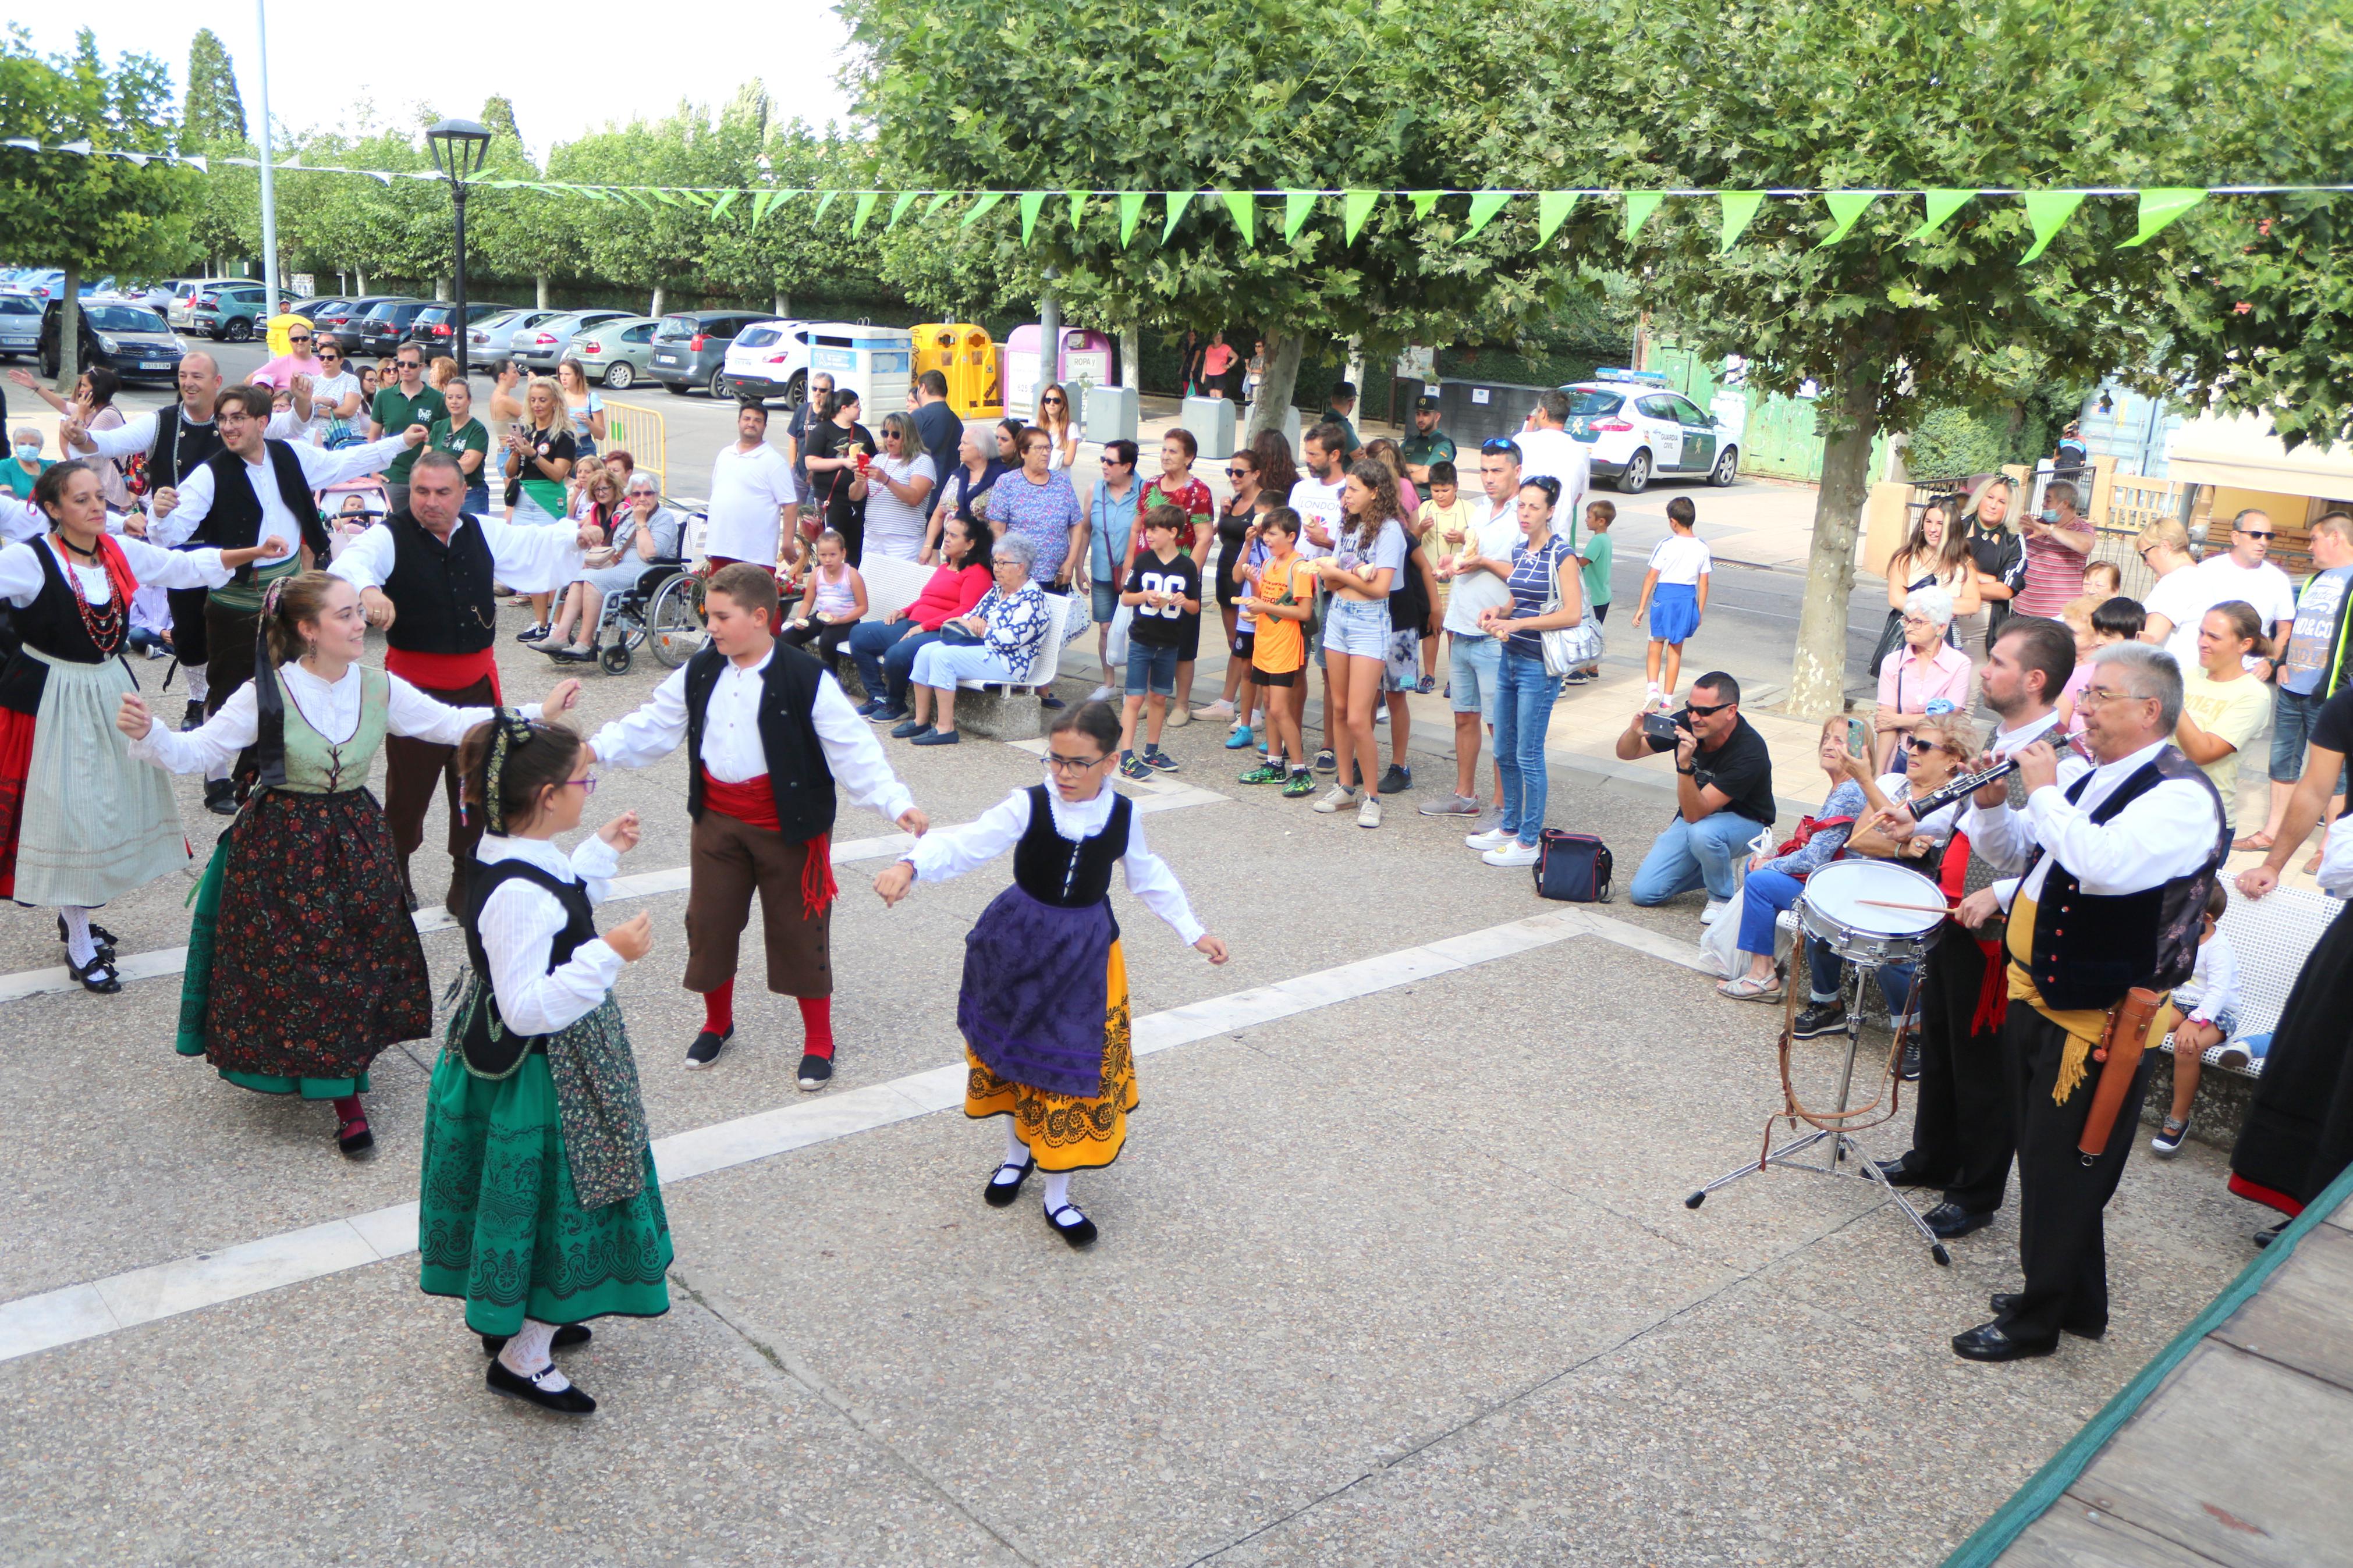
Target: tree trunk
1131,355
69,331
441,286
359,282
655,307
539,281
1284,347
783,303
1818,669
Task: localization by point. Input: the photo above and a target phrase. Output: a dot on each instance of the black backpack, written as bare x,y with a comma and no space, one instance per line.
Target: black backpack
1574,867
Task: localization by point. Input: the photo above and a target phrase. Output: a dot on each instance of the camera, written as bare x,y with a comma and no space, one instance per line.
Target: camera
1662,727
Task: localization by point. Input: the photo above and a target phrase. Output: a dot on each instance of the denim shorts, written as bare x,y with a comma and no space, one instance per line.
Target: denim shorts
1106,602
1473,665
1358,627
2292,718
1151,669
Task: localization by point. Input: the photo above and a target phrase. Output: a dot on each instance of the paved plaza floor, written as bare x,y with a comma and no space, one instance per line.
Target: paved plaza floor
1395,1266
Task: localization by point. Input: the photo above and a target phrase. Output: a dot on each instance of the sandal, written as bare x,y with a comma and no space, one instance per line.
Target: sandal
1748,988
2255,840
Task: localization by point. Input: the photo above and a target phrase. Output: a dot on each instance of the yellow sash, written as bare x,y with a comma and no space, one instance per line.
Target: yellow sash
2084,1025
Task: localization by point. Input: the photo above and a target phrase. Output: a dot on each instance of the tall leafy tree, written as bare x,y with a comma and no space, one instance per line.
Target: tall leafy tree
93,213
1248,94
215,110
212,120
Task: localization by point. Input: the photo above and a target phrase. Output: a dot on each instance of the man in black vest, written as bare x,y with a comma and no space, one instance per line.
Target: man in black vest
424,577
2112,898
253,487
1961,1137
770,735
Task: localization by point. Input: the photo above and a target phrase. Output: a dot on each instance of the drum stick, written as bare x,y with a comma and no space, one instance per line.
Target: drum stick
1923,909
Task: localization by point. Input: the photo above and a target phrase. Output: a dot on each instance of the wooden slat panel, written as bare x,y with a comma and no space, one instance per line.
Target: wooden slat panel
2299,1316
2072,1535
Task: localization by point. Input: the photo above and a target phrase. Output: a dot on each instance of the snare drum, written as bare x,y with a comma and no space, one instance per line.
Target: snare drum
1845,906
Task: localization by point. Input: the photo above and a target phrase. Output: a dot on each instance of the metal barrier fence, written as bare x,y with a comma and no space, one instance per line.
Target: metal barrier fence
641,432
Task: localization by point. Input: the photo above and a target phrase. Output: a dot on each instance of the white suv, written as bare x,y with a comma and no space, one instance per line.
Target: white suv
1640,429
768,359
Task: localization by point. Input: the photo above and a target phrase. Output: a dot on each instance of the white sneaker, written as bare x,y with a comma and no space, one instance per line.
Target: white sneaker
1653,698
1370,813
1513,853
1337,797
1101,694
1715,907
1220,709
1493,838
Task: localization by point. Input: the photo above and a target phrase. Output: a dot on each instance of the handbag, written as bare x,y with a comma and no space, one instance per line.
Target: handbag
1115,640
1891,637
955,635
1572,866
1566,649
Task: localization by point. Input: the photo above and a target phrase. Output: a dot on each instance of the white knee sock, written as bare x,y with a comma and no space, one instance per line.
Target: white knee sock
1057,1190
1017,1152
198,687
80,946
526,1355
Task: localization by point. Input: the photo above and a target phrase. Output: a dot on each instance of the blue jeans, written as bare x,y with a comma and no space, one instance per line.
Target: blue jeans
1823,965
1708,852
1524,694
885,656
1763,897
2292,717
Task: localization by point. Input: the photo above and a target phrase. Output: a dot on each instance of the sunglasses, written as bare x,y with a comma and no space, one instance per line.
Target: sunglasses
1499,446
1918,747
298,337
2256,533
409,364
1697,711
1052,401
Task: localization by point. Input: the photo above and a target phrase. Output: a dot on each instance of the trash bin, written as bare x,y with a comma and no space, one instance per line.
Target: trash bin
966,356
1112,415
1211,421
280,326
1085,361
879,362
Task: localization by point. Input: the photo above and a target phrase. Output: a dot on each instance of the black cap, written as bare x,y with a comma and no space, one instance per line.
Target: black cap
1428,400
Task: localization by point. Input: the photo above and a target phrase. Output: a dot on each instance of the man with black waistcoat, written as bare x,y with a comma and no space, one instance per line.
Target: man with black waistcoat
424,577
2119,868
253,487
1962,1138
771,735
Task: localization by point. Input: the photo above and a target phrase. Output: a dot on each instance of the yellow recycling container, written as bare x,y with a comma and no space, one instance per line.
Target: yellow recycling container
966,356
280,326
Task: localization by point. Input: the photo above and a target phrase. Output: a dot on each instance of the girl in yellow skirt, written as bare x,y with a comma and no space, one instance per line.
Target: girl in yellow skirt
1044,1006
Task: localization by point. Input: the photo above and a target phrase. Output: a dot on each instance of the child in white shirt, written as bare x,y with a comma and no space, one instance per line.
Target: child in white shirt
1674,597
2208,1004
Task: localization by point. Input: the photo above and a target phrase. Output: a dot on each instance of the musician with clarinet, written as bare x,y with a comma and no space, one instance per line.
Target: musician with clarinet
1962,1138
2103,924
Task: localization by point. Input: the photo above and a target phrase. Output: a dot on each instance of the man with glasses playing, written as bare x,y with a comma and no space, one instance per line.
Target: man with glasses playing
408,401
2118,867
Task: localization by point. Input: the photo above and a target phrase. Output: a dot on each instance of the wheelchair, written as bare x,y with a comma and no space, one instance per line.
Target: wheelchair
663,614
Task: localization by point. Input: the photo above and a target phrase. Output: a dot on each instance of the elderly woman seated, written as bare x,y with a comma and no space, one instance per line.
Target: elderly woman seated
1925,669
645,532
1000,640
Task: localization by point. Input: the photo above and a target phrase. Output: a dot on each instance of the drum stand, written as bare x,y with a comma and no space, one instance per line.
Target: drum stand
1845,1158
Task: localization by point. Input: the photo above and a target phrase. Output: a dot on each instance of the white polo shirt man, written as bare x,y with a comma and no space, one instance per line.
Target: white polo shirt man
753,496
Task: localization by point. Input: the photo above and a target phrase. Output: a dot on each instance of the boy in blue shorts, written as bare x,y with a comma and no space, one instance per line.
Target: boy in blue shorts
1165,590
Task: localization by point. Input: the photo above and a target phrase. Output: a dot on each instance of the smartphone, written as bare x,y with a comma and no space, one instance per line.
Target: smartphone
1660,727
1858,738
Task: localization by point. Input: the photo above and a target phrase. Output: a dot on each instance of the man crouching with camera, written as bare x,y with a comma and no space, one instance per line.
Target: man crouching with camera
1724,794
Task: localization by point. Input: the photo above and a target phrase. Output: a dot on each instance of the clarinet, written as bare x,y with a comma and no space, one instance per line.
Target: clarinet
1960,788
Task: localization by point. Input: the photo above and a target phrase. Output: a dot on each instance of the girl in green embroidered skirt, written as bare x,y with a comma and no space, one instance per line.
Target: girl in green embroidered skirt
540,1205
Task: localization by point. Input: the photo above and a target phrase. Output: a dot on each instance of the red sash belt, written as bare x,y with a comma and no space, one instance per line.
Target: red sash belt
445,671
1994,990
753,802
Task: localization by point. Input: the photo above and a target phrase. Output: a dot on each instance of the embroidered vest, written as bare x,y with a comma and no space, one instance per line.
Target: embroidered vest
316,765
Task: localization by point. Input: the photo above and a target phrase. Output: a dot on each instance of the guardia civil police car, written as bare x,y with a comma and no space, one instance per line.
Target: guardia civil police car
1640,428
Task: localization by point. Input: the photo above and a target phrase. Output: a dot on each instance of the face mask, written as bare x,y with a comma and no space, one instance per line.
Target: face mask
2050,514
28,452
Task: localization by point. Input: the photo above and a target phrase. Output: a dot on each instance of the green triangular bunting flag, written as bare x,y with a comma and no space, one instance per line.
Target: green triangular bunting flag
1739,212
1032,204
1941,204
1078,209
1484,205
726,199
939,199
1423,203
1356,206
1552,208
899,208
2159,205
866,200
1640,206
988,200
825,200
1296,206
1130,207
2048,211
1177,202
1846,206
1243,204
763,202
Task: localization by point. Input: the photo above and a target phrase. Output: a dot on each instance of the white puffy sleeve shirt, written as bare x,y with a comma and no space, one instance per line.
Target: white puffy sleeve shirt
20,569
540,554
2168,832
333,710
520,923
946,852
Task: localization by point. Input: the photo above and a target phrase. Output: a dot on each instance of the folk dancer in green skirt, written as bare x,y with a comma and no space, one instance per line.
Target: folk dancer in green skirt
303,961
541,1208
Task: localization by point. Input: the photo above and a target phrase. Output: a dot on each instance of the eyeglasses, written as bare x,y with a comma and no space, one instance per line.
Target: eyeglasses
1062,764
1697,711
2099,694
298,337
1052,401
1918,621
890,435
585,781
409,364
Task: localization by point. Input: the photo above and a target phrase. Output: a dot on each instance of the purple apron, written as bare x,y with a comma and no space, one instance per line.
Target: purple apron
1033,1002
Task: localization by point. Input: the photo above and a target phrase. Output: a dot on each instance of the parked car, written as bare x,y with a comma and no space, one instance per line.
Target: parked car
616,353
690,348
226,310
768,359
493,336
340,322
155,296
436,326
1639,431
20,325
388,325
184,297
318,305
46,283
130,339
541,348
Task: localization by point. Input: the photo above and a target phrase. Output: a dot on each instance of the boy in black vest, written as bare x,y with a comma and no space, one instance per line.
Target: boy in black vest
2112,898
424,577
770,735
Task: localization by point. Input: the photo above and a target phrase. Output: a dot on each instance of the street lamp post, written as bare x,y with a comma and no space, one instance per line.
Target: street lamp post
460,147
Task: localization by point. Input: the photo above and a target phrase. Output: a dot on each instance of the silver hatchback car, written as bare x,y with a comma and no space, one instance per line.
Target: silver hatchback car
20,325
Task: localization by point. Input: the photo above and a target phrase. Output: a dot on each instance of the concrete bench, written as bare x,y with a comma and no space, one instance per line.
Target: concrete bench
1004,711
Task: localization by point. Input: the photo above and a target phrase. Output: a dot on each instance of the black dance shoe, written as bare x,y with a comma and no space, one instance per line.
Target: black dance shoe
97,975
568,1335
1988,1343
100,937
2270,1233
2001,1301
354,1137
1950,1221
1901,1173
194,718
1001,1193
816,1072
572,1401
1078,1230
707,1047
220,797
